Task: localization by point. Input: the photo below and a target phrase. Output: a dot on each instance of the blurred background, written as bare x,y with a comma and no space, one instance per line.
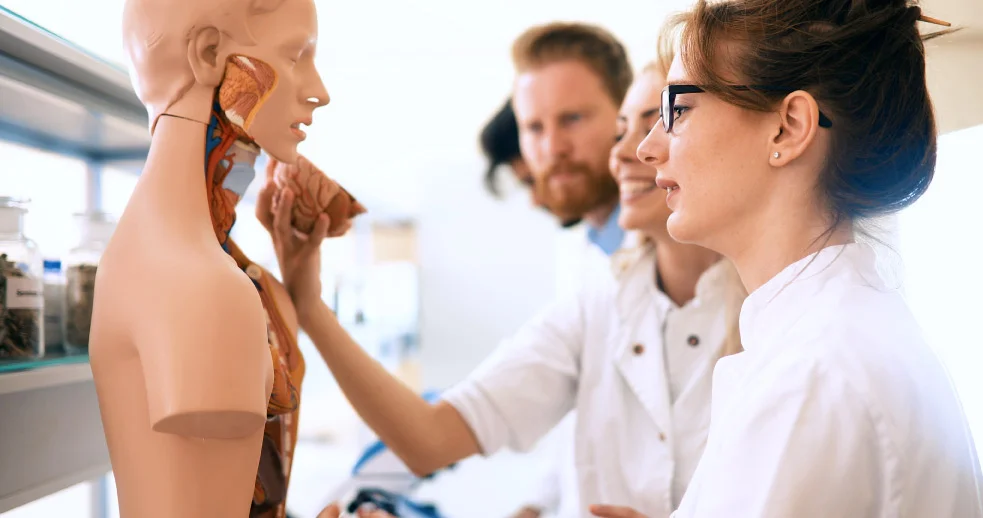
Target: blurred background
438,271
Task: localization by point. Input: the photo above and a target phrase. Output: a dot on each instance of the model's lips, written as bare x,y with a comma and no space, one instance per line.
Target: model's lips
295,128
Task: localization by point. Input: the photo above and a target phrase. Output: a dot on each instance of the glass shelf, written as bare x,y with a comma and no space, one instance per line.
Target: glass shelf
59,20
49,360
64,98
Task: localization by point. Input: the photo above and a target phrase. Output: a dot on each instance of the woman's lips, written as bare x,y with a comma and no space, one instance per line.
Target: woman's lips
632,189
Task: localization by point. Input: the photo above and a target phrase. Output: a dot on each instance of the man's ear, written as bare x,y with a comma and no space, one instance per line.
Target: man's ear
205,56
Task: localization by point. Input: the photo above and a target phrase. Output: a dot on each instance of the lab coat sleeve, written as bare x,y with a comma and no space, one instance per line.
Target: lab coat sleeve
528,384
800,442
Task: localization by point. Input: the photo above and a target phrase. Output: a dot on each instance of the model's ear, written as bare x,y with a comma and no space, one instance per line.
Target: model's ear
205,56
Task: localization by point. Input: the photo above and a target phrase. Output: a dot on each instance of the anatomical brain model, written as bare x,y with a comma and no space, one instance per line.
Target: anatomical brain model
314,193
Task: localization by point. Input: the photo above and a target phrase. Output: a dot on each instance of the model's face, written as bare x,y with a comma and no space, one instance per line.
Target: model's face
643,204
566,129
715,161
286,42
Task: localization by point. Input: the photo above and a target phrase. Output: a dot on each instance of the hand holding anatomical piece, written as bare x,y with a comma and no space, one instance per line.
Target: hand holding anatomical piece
314,193
300,206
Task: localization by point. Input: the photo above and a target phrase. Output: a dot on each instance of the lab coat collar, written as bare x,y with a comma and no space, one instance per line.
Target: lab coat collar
637,292
775,306
634,269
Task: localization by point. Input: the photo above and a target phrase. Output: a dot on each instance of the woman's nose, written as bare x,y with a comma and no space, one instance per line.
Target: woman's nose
624,149
652,150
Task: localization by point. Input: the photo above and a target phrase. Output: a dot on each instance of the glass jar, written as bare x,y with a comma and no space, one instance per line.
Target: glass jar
81,264
21,286
54,306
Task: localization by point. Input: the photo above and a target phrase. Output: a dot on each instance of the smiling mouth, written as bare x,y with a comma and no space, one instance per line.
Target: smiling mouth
637,186
668,185
633,188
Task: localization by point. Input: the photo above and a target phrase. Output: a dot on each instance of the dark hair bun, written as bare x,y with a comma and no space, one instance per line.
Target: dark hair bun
862,60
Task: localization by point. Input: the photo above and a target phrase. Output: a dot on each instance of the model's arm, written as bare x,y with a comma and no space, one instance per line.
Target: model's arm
185,345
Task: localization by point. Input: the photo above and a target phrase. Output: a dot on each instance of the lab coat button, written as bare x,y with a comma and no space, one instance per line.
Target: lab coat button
693,340
662,437
638,349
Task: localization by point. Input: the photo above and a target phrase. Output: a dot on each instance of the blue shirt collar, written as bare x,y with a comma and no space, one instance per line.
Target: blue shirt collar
610,236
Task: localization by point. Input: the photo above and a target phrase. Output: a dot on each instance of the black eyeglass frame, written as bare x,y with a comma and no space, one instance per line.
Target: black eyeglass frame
670,92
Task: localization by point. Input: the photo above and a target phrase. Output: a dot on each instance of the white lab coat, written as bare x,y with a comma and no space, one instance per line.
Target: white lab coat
606,353
837,408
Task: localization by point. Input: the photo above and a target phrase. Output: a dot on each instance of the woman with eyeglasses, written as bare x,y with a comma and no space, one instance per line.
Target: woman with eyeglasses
786,125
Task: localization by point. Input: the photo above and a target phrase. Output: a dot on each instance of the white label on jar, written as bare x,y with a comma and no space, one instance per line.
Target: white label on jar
24,293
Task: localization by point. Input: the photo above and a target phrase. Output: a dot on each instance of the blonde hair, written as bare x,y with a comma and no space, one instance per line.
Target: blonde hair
734,295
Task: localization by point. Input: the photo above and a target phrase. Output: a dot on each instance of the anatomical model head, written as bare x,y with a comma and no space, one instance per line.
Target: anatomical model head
261,52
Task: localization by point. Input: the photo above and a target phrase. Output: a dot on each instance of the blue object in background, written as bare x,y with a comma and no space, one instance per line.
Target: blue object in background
380,479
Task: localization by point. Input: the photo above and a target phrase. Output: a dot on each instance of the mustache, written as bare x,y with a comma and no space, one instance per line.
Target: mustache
567,167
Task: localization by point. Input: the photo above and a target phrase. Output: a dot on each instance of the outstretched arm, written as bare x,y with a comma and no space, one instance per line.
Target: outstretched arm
512,400
425,436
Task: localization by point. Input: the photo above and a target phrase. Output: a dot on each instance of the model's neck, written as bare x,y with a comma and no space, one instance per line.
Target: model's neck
173,177
244,153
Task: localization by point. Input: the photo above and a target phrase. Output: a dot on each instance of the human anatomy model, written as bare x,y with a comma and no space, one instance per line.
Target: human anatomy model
193,347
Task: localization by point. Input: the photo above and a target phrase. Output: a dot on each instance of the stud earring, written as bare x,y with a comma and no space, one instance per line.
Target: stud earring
777,154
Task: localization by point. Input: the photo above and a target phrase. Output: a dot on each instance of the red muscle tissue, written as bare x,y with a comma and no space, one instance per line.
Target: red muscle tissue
314,193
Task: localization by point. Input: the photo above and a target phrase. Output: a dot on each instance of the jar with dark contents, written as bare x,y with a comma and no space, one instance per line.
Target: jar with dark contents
81,266
21,286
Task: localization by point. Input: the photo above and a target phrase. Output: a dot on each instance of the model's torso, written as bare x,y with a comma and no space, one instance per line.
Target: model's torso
280,435
159,474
